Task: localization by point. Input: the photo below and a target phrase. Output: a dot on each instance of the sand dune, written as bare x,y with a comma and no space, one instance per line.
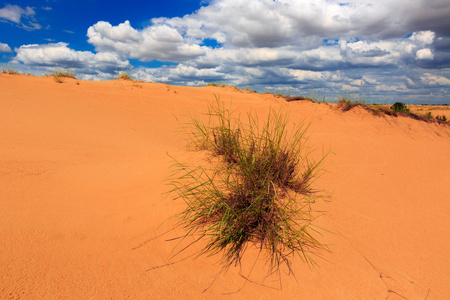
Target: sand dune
81,193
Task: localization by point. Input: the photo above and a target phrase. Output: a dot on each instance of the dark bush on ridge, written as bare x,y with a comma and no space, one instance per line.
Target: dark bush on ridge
400,107
442,118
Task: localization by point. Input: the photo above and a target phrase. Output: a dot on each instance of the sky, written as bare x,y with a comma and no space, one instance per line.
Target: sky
380,51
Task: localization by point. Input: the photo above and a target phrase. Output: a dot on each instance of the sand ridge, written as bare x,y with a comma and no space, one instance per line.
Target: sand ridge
81,171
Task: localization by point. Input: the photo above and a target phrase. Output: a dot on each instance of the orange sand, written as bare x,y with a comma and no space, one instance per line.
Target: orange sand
81,170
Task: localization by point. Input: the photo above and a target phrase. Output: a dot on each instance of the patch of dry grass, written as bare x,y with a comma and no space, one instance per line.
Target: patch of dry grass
258,193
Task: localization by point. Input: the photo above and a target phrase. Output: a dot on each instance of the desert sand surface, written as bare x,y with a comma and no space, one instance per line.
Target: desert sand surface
82,166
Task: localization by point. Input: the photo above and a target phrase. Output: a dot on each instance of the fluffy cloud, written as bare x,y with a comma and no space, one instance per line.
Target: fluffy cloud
424,54
272,31
51,55
342,55
4,48
14,13
158,42
267,23
434,80
282,33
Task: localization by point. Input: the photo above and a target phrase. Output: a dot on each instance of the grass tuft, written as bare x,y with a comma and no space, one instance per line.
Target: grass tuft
125,76
442,118
58,75
346,104
222,84
299,98
258,192
9,70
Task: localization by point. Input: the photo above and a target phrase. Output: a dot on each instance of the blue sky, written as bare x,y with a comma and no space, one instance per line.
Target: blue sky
377,50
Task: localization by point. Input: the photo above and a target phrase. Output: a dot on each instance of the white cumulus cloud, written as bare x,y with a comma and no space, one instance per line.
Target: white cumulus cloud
51,55
435,80
14,13
158,42
424,54
5,48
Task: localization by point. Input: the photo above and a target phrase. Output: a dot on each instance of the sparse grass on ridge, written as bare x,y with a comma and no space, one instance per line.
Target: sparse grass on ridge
299,98
125,76
9,70
258,192
346,103
216,84
397,109
58,75
442,118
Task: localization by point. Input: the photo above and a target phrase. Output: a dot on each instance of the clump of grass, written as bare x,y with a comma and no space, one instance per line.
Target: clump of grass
222,84
125,76
58,75
428,115
248,89
442,118
284,94
281,94
9,70
259,192
57,78
299,98
378,109
315,97
345,103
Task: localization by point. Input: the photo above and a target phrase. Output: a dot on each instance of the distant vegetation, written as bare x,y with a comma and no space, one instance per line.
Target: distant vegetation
216,84
346,103
9,70
442,118
398,108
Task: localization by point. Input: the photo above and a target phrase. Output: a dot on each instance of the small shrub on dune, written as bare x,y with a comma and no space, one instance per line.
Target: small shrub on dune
400,107
259,192
58,75
428,115
125,76
377,109
442,118
346,104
